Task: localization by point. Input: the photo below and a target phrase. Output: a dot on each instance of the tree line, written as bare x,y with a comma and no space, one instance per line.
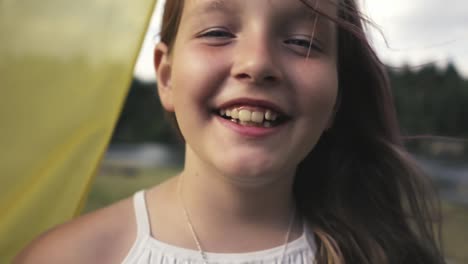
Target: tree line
429,100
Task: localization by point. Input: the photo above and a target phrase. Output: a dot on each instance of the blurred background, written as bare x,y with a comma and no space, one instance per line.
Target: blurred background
422,42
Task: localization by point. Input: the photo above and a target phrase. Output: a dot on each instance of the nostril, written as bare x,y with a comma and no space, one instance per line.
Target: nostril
267,78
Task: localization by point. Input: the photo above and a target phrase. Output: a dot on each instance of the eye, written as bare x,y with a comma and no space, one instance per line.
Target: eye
216,33
303,44
216,37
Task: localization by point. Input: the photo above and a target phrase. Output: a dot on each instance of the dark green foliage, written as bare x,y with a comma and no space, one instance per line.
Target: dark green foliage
142,118
431,101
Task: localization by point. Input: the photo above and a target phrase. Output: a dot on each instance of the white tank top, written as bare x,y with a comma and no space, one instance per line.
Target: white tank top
148,250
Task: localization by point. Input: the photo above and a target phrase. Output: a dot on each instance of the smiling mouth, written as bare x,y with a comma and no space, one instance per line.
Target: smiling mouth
248,116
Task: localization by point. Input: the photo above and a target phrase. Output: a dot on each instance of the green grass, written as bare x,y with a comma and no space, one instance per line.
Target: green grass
455,232
111,186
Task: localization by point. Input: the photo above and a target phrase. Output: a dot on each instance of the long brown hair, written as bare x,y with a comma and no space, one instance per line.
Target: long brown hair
365,198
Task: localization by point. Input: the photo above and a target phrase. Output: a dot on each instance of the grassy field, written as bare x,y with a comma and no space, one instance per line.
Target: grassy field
455,232
111,186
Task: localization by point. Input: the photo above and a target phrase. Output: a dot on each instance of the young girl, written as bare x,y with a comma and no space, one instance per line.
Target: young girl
293,153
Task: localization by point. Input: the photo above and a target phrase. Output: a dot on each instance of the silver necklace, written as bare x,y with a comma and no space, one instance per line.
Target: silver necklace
197,240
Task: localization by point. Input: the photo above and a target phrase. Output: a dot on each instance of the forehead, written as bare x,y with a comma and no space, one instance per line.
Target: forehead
294,8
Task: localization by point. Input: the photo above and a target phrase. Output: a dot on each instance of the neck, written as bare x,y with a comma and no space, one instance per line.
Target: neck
262,199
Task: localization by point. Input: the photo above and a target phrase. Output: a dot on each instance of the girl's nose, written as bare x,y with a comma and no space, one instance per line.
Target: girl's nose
255,61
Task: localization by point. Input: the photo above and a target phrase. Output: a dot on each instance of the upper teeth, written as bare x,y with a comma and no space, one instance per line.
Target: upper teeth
246,115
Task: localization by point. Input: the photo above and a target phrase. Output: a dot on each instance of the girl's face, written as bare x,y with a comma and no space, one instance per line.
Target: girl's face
256,59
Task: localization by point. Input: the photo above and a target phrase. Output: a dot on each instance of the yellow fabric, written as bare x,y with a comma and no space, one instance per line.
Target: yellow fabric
65,68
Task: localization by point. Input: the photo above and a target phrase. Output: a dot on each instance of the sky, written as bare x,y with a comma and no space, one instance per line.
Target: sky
417,32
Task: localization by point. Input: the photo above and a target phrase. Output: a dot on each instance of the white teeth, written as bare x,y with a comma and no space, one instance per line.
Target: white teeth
245,115
257,117
235,113
269,115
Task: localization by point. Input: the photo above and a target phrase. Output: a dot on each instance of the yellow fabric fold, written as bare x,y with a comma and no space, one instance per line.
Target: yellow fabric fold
65,70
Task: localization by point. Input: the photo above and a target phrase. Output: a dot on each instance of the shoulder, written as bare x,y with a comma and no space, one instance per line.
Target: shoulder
103,236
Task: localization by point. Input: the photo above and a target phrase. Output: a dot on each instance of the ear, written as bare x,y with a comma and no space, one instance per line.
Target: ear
162,65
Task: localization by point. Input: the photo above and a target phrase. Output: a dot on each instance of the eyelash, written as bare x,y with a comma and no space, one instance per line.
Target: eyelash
304,43
216,33
222,34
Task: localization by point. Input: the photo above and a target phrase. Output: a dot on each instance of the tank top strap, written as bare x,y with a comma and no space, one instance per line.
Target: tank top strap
141,214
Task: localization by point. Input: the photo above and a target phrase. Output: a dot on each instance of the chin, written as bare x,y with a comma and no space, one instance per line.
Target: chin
253,171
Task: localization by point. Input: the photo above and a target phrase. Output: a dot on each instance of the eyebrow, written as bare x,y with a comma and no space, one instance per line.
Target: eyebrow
211,6
303,14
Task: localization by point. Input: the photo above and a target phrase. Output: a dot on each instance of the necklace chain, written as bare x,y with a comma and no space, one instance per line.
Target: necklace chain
197,240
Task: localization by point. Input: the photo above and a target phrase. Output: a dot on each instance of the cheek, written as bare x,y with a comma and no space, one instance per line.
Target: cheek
318,84
199,72
319,92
